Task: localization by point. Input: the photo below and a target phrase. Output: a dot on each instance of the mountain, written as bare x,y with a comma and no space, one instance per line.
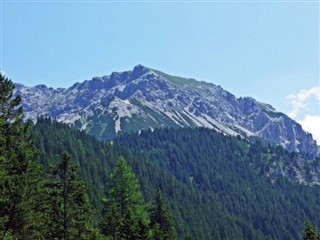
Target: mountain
146,99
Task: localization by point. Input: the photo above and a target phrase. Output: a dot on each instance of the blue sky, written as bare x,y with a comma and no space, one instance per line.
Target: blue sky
268,50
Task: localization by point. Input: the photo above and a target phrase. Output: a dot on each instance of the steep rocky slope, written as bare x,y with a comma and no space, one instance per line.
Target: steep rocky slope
145,98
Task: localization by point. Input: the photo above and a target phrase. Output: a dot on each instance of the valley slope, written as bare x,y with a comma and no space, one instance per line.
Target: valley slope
218,187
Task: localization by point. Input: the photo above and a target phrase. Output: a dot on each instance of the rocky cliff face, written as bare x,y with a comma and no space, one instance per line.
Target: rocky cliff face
145,98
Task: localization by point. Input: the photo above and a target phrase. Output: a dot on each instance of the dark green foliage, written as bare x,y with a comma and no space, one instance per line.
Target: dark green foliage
68,210
238,197
310,232
95,159
19,172
217,187
31,206
125,208
161,220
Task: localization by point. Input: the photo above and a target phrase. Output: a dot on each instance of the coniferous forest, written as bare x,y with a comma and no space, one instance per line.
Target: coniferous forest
59,183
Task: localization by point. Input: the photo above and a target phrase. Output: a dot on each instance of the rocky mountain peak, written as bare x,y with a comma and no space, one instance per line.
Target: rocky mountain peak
144,98
139,70
41,87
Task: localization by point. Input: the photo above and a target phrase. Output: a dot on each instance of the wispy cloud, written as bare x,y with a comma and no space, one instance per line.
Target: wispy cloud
300,100
311,123
306,107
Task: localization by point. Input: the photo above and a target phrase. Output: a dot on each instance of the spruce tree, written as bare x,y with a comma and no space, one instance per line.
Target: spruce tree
125,215
70,214
20,174
161,219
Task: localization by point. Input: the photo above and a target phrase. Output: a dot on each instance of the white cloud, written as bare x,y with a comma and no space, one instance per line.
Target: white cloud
300,100
306,110
311,124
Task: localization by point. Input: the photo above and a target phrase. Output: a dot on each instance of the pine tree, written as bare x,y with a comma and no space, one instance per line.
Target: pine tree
161,219
126,213
20,174
70,214
310,232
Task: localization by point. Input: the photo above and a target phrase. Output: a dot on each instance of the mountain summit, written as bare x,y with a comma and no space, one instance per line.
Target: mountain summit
146,99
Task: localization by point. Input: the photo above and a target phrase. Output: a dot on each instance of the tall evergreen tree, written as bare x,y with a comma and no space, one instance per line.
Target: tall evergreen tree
70,214
19,172
126,212
161,219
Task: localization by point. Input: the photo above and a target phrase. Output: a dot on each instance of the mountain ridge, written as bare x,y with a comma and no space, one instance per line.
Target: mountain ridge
145,98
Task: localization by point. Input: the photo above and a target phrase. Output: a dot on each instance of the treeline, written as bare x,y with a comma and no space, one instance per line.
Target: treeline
35,204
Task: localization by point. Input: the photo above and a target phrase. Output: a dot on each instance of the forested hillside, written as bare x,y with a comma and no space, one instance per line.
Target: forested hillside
161,184
216,185
99,159
233,175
